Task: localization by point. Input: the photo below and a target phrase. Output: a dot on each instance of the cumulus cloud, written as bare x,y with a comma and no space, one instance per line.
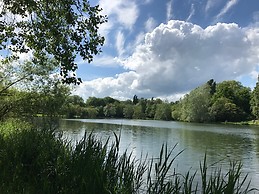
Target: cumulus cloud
178,56
120,87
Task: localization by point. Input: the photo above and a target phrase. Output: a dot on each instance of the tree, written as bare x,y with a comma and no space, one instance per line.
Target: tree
223,109
150,109
135,99
255,100
195,106
128,111
61,30
163,112
212,84
138,113
93,101
109,110
25,89
76,100
92,112
237,94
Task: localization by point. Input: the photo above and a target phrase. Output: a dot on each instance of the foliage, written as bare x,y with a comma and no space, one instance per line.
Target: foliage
255,100
210,102
223,109
128,111
60,30
138,112
225,101
238,95
109,110
195,106
37,161
27,90
163,112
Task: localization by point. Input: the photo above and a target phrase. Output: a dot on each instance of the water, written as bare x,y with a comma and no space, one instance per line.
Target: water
221,143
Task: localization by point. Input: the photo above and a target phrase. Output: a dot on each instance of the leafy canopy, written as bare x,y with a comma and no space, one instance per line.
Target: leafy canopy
57,29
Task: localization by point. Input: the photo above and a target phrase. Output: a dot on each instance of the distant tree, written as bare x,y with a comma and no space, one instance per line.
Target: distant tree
76,100
143,103
135,99
128,111
108,100
92,112
150,109
255,100
195,106
138,113
163,112
212,85
237,94
119,109
176,111
109,110
93,101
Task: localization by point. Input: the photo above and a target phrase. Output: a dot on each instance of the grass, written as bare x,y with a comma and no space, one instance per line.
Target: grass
39,161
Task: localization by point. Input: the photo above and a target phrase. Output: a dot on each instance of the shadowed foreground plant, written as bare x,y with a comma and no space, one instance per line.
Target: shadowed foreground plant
231,182
37,161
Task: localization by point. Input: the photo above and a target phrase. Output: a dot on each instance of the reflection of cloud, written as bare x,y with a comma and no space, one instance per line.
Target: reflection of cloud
179,56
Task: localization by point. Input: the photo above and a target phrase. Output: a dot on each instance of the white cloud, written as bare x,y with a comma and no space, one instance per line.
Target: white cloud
101,61
124,12
226,8
150,24
211,4
169,10
120,41
256,16
192,12
179,56
147,2
120,87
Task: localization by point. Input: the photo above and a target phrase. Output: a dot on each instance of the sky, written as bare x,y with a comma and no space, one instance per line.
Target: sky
166,48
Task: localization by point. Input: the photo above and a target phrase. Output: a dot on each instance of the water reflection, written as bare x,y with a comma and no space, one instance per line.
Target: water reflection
221,142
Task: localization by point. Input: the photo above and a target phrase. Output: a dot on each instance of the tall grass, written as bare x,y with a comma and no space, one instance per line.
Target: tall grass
37,161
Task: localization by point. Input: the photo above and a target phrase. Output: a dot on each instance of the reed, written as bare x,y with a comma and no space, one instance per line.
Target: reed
39,161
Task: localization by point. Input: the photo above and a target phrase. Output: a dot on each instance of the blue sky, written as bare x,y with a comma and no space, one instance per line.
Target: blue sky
167,48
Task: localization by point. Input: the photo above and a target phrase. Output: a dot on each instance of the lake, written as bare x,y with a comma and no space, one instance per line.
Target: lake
220,142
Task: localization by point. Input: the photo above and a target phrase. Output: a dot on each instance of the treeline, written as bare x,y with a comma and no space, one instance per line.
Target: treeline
111,108
210,102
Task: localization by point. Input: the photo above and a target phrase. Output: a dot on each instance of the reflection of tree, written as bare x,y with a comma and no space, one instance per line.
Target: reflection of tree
217,145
